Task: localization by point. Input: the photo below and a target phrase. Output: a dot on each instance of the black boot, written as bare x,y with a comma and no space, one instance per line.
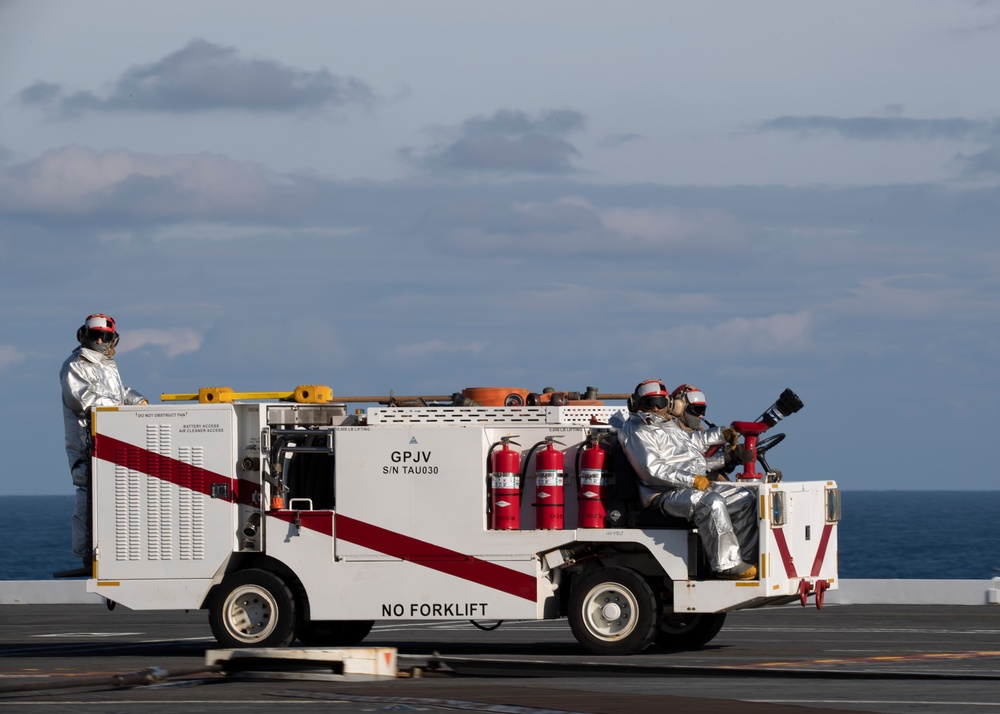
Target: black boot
83,572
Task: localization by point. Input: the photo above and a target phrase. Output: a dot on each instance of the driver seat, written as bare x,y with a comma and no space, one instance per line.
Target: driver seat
624,509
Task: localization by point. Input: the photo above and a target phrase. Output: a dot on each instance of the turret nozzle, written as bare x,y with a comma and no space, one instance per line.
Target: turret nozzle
787,404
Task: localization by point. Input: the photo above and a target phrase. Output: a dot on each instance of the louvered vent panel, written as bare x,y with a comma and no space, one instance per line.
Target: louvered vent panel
191,505
128,506
159,508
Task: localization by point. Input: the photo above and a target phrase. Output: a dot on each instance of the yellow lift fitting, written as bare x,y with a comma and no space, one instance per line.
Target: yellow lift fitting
303,394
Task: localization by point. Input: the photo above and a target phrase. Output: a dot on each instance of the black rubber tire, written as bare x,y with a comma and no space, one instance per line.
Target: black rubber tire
688,631
334,633
252,608
613,611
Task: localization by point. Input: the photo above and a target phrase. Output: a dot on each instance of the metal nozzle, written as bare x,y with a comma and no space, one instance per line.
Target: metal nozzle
251,526
787,404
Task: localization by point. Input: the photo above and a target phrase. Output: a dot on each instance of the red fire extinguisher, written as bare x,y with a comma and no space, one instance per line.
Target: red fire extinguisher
505,486
591,482
549,476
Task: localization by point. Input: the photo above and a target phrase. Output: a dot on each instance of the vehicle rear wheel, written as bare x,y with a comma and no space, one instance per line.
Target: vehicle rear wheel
334,633
613,611
686,631
252,608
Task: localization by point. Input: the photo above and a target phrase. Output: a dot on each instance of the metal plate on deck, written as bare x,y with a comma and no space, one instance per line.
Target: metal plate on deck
319,663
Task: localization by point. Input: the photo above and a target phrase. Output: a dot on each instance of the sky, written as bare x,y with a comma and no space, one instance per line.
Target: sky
427,196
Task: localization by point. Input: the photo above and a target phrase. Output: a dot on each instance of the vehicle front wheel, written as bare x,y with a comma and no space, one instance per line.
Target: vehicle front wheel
613,611
334,633
687,631
252,608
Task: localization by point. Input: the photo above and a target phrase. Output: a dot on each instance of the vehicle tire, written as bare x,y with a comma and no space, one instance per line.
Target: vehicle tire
613,611
252,608
334,633
687,631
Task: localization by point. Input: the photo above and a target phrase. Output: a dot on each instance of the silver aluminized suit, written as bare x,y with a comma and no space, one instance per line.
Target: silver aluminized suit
89,379
667,458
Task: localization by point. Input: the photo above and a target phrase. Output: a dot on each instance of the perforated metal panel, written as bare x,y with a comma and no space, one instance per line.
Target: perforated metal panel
490,415
306,414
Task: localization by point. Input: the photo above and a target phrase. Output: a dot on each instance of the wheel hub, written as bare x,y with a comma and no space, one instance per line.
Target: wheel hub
255,611
611,611
251,614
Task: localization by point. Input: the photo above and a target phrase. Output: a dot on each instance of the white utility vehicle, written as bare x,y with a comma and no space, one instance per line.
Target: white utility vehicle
292,518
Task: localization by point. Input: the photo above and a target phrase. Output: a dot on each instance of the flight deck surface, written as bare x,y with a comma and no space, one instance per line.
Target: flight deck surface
875,658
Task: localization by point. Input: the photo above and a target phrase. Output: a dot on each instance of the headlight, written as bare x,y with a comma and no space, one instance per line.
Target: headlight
779,508
832,505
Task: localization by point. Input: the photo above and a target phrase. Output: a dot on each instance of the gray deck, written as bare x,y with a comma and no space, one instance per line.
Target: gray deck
909,658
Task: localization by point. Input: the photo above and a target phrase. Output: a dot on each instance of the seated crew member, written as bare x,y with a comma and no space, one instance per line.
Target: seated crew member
688,406
672,472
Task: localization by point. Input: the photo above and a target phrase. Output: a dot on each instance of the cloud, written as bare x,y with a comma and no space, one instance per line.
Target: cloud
203,76
571,225
173,342
911,297
10,356
75,181
775,334
980,165
885,128
670,226
508,142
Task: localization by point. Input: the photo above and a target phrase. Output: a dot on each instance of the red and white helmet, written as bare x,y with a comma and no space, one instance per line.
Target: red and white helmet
688,399
649,394
98,332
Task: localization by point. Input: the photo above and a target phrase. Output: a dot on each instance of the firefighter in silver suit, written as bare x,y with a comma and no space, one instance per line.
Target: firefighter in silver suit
688,406
673,478
89,379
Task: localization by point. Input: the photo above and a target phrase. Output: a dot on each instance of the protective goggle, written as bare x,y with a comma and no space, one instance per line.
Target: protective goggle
697,410
103,335
657,402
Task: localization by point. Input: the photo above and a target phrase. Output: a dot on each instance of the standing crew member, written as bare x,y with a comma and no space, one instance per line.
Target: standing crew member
89,379
672,472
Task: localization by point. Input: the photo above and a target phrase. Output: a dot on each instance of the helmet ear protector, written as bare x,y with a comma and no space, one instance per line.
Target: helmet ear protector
677,406
688,399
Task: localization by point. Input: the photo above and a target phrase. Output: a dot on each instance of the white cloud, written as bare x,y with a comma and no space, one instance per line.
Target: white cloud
10,355
75,180
571,225
906,296
174,341
672,226
774,334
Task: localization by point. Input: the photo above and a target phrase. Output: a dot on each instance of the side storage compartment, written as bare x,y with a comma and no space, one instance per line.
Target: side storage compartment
163,494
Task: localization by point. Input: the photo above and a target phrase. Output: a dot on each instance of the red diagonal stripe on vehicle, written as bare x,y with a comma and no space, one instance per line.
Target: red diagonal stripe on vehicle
121,453
786,555
437,558
824,541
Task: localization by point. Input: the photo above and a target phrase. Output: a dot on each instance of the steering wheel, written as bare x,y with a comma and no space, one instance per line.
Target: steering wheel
764,445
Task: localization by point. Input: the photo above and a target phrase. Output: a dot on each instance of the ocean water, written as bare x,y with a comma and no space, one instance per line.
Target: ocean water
946,535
